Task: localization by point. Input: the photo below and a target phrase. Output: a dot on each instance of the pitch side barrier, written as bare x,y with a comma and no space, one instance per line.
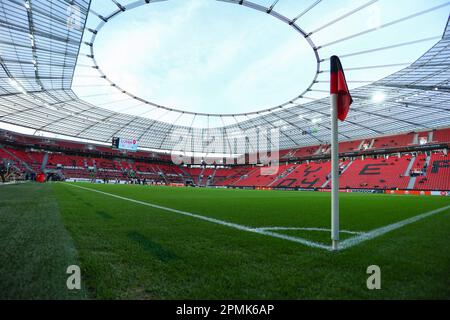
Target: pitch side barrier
445,193
349,190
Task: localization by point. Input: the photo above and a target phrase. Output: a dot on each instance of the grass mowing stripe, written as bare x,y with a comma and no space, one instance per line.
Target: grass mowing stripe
35,247
380,231
216,221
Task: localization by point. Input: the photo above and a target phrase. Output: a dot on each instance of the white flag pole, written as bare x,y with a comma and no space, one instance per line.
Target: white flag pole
334,173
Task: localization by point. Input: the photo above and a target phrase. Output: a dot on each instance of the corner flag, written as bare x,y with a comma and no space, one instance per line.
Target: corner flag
338,85
340,106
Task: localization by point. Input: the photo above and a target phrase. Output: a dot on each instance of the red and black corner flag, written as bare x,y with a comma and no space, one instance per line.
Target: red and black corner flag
338,85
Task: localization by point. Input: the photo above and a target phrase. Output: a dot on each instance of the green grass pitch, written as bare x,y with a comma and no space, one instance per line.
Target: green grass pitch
130,250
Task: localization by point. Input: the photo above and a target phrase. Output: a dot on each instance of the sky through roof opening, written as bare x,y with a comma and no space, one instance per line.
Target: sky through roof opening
205,56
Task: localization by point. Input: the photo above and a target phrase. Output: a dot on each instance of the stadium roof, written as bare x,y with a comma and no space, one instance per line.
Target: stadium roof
40,47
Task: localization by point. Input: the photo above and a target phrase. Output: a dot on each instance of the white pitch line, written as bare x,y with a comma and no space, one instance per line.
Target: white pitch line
306,229
10,183
380,231
342,245
216,221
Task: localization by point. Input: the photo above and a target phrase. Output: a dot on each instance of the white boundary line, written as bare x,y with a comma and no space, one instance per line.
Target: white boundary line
10,183
380,231
216,221
345,244
307,229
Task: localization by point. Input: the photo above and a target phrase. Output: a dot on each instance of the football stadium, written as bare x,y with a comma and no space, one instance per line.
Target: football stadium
224,150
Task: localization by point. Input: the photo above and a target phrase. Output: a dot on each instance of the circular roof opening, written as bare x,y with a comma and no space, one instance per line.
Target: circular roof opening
204,57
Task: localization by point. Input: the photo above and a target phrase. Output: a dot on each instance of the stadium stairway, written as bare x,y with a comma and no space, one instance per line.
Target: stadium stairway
409,167
324,185
344,166
245,176
186,175
211,181
430,136
307,175
411,183
289,170
207,173
162,174
318,151
262,176
350,146
361,144
427,162
16,158
412,180
8,158
200,176
44,161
